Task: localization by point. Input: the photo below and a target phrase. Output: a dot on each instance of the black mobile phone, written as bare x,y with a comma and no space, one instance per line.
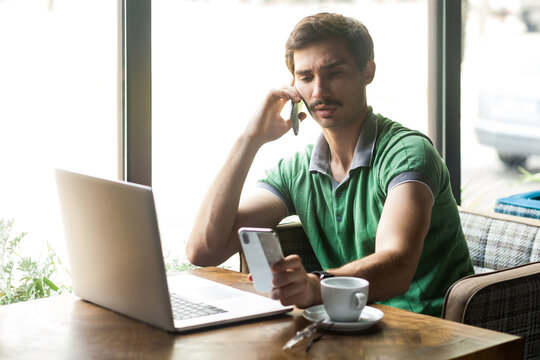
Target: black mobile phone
294,117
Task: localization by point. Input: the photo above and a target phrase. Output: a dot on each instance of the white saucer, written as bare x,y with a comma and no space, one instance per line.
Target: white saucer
369,317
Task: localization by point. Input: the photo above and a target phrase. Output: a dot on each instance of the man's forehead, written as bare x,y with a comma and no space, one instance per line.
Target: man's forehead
323,54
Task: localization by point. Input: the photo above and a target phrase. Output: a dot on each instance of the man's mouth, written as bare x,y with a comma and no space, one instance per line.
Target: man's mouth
325,108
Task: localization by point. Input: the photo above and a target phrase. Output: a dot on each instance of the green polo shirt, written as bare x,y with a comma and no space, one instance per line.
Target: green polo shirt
341,220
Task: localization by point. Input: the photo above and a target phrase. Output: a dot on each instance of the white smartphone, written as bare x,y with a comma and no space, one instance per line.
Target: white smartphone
262,249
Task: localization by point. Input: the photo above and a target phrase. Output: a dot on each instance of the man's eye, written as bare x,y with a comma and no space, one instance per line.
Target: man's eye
306,78
335,73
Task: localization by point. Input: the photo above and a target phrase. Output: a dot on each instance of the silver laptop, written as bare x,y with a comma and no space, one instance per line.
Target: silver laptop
116,260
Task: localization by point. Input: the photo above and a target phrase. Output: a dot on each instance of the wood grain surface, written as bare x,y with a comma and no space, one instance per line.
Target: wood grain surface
65,327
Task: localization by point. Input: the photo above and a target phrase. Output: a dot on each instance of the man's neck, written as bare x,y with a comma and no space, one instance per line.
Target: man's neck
342,143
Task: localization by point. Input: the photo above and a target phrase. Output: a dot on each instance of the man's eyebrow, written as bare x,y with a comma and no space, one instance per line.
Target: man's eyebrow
333,64
302,72
328,66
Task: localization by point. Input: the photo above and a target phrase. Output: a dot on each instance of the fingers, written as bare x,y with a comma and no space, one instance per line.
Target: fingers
294,96
291,294
286,93
299,291
268,124
291,282
290,262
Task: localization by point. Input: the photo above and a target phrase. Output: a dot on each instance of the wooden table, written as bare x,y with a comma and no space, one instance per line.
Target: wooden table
65,327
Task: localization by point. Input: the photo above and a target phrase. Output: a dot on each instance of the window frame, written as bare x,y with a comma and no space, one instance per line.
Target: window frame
135,91
444,84
135,88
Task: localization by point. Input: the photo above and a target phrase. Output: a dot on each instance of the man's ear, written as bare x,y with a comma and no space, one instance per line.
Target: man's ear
369,71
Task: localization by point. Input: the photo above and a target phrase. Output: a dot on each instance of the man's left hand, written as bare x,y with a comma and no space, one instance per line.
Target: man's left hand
293,285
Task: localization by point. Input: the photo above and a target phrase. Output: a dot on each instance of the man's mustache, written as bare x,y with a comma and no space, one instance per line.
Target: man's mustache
324,102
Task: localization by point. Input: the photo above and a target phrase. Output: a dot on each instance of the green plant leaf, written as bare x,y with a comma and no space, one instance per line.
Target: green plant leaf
24,278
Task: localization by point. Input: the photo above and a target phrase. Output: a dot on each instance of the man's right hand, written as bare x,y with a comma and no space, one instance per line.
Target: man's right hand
268,125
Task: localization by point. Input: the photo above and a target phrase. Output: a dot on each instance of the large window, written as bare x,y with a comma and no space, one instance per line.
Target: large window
212,64
214,61
500,100
58,107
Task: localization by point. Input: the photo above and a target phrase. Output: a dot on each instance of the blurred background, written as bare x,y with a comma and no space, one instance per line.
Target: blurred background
212,64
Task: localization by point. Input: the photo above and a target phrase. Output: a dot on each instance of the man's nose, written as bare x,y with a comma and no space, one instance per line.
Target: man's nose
320,88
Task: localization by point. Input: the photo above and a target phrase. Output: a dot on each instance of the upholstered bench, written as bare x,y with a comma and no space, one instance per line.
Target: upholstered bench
503,295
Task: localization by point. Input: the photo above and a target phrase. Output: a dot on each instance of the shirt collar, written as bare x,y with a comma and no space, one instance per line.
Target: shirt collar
320,156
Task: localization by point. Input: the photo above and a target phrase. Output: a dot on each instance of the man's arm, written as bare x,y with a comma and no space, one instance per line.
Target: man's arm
400,238
402,229
214,236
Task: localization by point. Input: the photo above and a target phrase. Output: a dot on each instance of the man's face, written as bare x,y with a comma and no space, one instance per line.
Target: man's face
331,83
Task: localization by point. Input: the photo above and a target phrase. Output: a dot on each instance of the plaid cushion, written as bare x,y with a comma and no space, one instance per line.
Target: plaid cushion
511,306
497,243
535,253
476,230
506,300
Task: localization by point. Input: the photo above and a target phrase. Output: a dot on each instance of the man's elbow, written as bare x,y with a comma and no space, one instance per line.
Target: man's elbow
405,280
403,287
200,256
191,255
197,258
403,277
195,255
398,287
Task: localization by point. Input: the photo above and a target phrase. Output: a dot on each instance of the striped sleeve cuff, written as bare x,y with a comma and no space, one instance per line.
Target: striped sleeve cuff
277,193
413,176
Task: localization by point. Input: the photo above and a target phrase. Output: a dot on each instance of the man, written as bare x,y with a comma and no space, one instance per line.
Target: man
373,196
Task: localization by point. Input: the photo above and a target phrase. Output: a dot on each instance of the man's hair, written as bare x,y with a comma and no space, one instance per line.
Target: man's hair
324,26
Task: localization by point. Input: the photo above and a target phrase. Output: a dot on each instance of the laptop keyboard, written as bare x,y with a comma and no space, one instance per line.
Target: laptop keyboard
185,309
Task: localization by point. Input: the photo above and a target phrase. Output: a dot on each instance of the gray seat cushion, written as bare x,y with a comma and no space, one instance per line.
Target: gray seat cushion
498,241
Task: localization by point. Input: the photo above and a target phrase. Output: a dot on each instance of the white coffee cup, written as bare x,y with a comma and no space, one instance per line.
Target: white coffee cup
344,297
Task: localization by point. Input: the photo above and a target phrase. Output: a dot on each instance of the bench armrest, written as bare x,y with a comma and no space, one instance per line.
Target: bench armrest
506,300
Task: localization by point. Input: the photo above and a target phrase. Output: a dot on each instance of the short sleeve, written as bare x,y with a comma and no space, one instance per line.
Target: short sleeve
280,181
410,157
273,183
